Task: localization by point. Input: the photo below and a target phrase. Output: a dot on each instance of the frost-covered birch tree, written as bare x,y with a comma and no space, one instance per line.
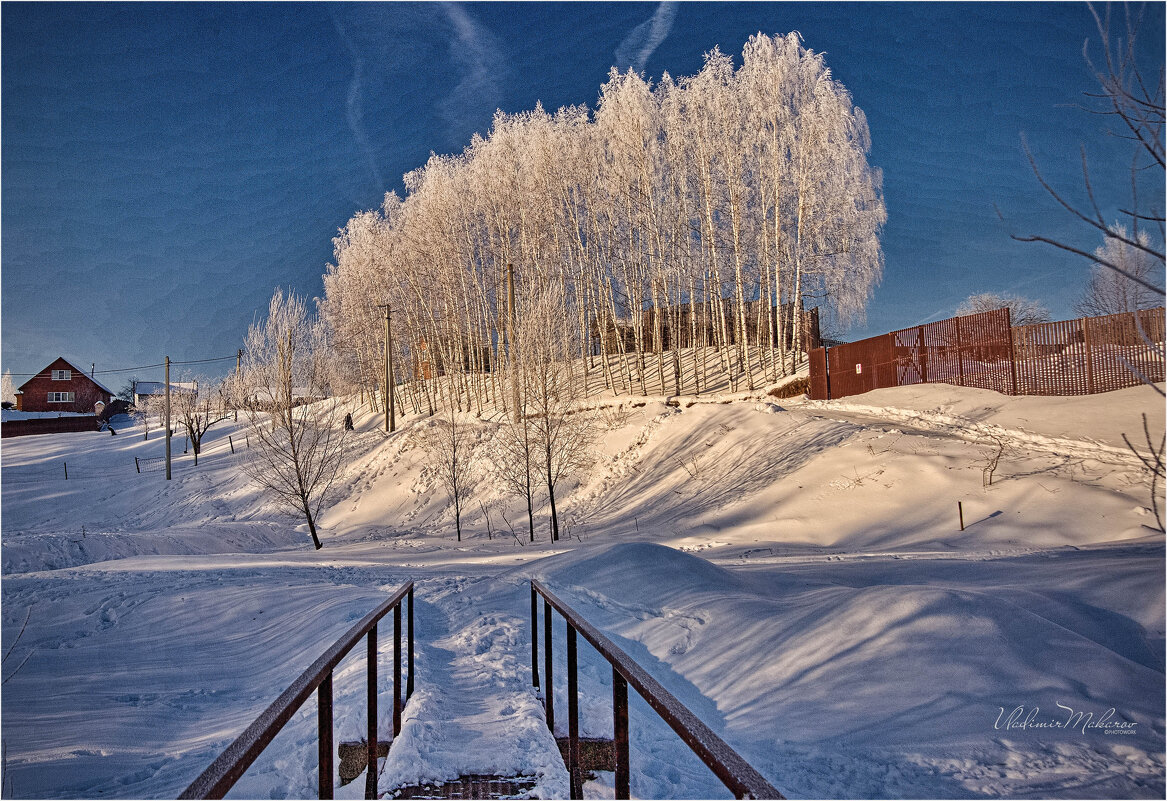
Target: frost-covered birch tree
449,442
561,436
1111,291
7,390
295,427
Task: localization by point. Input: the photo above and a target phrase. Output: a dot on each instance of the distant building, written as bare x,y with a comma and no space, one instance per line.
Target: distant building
61,387
145,390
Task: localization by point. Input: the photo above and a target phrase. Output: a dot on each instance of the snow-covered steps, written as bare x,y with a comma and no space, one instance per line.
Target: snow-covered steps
472,786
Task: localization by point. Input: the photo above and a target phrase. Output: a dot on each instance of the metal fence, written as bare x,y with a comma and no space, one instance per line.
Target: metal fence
1069,357
1089,355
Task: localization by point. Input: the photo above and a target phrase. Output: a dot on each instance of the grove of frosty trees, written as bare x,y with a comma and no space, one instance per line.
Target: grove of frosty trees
682,225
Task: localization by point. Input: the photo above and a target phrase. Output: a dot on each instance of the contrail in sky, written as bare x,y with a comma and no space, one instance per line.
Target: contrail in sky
353,104
474,48
646,37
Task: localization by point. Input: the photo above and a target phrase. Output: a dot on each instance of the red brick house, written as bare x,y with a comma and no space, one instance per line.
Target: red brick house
61,387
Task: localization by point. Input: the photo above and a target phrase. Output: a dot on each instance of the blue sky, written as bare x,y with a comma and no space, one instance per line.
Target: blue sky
165,166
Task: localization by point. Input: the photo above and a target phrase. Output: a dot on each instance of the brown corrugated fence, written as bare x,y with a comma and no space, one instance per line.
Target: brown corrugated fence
1069,357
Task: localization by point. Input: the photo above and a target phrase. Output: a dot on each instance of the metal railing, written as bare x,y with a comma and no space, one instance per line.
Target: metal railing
222,774
737,774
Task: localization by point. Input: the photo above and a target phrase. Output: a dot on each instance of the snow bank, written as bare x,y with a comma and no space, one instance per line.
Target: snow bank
879,690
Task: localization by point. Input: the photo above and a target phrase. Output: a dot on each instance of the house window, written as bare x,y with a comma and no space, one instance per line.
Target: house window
62,375
61,397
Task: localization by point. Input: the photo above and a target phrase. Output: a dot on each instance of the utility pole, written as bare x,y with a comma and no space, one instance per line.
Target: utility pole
238,371
390,408
511,333
167,418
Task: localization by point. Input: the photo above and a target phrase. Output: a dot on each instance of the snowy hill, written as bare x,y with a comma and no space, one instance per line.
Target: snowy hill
795,572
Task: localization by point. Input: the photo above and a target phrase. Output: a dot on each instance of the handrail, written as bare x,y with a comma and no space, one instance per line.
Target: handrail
221,775
737,774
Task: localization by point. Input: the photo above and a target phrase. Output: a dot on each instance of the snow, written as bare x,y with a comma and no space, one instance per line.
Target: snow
13,414
793,571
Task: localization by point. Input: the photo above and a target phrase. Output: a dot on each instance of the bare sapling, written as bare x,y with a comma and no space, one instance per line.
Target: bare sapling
295,430
449,443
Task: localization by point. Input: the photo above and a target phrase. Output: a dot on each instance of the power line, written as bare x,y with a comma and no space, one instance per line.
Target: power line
132,369
204,361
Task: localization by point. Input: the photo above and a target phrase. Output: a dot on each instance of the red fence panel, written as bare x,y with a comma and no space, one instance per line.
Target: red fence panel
862,366
971,351
1089,355
1068,357
819,388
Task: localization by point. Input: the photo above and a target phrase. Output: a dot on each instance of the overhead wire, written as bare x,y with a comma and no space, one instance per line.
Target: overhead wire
132,369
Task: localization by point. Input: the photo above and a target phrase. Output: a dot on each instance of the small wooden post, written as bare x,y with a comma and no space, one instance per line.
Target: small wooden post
231,443
66,464
137,466
960,511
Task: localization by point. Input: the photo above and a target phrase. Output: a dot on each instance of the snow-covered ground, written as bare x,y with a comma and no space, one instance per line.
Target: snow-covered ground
793,571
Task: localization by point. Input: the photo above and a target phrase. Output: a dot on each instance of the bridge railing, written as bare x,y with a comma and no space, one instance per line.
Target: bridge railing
737,774
222,774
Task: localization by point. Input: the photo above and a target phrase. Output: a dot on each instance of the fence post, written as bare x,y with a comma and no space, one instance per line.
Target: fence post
534,638
137,466
1012,351
324,736
573,715
409,681
1085,323
371,689
827,362
66,464
959,351
548,670
620,732
231,443
397,669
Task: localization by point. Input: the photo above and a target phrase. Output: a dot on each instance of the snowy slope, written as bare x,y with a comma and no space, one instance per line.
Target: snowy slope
793,571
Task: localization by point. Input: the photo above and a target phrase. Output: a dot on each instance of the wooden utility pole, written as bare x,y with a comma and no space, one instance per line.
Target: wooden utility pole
511,335
238,373
167,391
390,407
